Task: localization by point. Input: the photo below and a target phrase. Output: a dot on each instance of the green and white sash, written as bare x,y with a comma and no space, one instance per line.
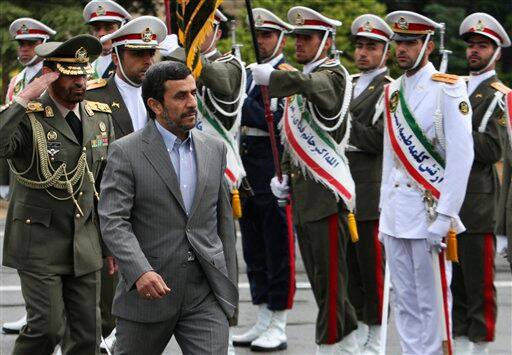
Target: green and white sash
411,147
315,151
207,122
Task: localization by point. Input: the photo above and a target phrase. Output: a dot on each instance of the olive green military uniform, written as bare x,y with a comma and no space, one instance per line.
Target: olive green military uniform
504,211
474,295
54,245
365,258
320,221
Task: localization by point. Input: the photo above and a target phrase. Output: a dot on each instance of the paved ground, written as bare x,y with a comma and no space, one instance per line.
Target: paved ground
301,318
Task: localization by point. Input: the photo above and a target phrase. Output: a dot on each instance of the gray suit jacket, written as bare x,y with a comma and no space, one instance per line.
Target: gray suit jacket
144,223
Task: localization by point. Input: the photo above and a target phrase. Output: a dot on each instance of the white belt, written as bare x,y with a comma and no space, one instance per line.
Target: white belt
253,132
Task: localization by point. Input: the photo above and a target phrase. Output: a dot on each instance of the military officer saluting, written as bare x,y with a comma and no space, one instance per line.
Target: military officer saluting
134,47
104,17
267,242
57,145
428,152
28,33
372,37
474,295
316,171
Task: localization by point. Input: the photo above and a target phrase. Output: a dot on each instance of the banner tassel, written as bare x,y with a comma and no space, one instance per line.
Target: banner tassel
451,246
352,227
235,204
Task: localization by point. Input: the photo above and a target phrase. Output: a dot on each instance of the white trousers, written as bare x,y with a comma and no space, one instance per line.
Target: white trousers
416,302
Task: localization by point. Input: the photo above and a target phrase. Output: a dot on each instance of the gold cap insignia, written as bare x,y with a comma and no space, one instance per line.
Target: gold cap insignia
51,135
100,11
480,25
103,127
147,35
299,19
48,112
259,21
367,26
32,106
393,101
81,55
464,107
478,96
371,87
502,121
402,23
115,104
24,29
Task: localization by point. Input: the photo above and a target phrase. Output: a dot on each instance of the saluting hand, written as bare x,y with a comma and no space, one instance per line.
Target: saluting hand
151,286
33,90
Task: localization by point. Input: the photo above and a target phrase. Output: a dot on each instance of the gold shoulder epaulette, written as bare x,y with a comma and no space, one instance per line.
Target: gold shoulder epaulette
98,106
96,83
445,78
390,79
34,106
501,87
286,66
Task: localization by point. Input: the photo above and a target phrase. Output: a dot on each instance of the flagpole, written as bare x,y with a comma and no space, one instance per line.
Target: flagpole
269,117
167,4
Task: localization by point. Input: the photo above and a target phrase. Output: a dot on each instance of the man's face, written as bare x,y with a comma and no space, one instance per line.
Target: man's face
180,104
27,50
407,53
212,36
267,41
70,88
102,28
479,52
135,63
306,47
368,53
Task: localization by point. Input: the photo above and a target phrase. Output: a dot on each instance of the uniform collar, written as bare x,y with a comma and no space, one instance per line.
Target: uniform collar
126,86
308,68
274,61
475,80
426,72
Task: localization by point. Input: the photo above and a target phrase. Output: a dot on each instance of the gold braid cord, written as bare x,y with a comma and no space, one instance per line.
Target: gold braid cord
58,178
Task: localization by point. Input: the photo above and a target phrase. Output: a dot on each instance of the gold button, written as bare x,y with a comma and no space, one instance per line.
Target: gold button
292,175
84,149
77,215
101,158
81,193
52,158
28,221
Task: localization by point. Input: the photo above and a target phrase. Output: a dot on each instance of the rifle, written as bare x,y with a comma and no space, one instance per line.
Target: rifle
443,66
235,47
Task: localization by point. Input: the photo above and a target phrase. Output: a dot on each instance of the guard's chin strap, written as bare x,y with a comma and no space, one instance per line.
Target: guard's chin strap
34,58
491,61
212,42
320,48
276,49
383,59
422,52
122,70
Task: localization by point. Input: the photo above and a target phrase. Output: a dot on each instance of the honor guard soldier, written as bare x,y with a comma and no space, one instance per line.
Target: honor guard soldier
474,294
428,152
316,170
268,243
57,146
104,17
28,33
371,35
134,46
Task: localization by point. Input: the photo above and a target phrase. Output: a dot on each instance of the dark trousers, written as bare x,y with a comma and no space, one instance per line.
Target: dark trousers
473,291
269,252
366,273
323,248
108,289
49,300
200,327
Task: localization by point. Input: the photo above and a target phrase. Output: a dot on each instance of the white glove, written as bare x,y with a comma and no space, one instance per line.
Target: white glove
281,189
437,231
168,45
261,73
4,191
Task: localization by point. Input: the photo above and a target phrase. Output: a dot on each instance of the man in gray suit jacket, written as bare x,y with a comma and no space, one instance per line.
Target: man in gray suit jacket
165,216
